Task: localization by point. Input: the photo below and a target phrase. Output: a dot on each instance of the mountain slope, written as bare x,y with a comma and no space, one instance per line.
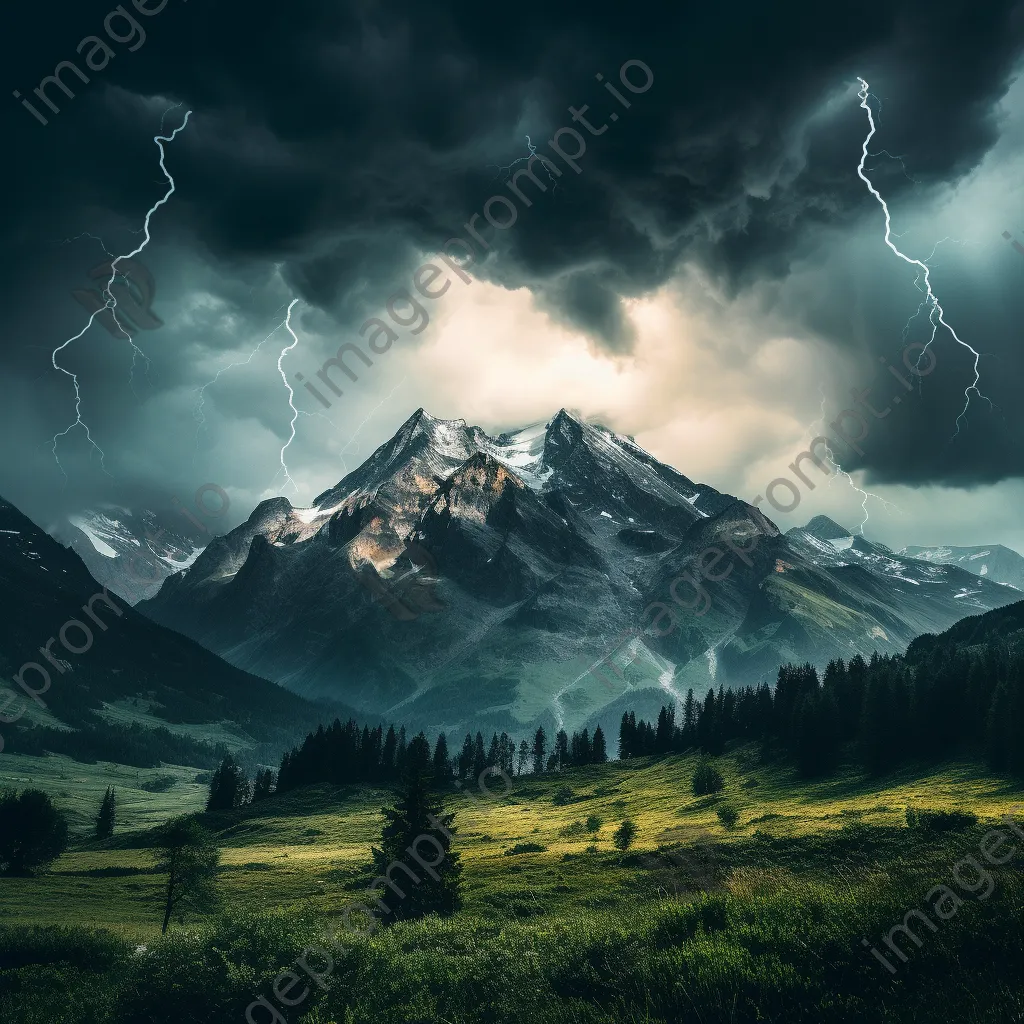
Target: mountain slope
460,580
130,553
130,671
993,561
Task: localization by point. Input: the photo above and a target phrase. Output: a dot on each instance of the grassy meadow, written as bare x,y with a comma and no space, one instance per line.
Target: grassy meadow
762,921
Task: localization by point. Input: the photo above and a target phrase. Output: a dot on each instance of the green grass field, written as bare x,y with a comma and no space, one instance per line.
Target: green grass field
808,869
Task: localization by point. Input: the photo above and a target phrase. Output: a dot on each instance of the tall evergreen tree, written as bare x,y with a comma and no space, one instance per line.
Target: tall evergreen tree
229,787
417,829
263,785
442,763
106,819
540,742
524,756
466,758
561,751
479,757
600,752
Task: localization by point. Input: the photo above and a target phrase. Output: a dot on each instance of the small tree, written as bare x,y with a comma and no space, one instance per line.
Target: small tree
624,835
524,756
728,815
106,819
707,778
229,787
33,833
190,858
430,876
263,785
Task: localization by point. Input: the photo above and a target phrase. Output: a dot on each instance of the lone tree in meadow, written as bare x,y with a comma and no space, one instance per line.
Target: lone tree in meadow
707,778
107,817
624,835
229,787
190,858
415,861
33,833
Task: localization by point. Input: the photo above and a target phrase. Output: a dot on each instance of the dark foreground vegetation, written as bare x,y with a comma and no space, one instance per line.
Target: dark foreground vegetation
781,942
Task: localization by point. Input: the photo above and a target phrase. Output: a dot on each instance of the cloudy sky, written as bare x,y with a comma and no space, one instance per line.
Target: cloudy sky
713,279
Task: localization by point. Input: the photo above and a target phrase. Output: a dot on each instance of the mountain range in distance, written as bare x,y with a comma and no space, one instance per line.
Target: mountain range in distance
994,561
457,581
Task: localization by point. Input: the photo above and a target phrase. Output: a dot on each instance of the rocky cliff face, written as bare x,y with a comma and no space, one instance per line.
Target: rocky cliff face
461,580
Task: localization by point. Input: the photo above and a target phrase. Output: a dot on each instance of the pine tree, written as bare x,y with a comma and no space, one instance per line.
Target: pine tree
106,819
400,752
524,756
561,751
263,785
540,742
442,762
479,757
417,834
466,758
600,753
229,787
387,757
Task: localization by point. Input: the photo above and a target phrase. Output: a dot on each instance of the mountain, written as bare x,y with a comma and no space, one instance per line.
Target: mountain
111,669
993,561
457,580
130,553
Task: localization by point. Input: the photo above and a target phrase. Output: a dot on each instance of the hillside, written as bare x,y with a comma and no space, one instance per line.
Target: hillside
131,675
574,930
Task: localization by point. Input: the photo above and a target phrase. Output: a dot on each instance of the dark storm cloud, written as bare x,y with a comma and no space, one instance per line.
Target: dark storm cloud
338,140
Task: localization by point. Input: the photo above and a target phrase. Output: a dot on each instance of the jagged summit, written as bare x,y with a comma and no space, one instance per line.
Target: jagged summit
460,579
825,528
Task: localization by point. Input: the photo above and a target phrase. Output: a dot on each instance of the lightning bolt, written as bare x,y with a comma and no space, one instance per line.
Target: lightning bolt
936,314
198,413
111,304
838,470
291,392
506,170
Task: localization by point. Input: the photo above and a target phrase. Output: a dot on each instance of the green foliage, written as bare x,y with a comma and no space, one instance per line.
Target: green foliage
727,815
525,848
940,821
624,835
594,823
106,819
415,845
189,858
707,778
564,796
33,833
229,788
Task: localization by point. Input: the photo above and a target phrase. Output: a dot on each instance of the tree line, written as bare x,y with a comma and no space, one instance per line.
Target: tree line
930,704
344,753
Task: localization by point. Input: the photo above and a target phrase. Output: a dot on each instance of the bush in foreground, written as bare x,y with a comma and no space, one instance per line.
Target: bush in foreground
33,833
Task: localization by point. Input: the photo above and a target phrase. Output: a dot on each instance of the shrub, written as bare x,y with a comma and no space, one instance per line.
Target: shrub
727,815
594,823
563,795
940,821
32,831
624,835
525,848
707,778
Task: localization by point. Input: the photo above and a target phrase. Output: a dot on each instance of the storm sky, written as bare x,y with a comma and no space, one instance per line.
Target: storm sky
711,279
